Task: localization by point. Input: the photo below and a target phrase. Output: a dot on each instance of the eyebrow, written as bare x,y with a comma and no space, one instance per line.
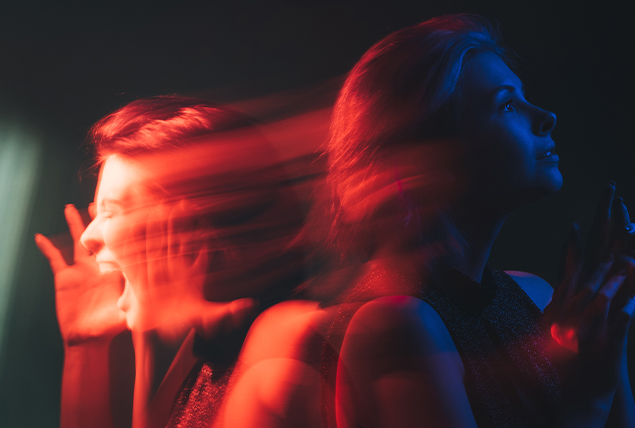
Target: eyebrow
110,201
509,88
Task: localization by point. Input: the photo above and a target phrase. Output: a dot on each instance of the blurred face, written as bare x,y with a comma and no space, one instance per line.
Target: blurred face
512,154
117,234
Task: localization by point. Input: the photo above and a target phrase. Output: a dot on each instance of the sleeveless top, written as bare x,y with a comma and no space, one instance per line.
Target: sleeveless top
200,398
497,331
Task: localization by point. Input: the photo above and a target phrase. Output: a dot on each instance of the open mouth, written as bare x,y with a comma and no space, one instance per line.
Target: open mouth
549,155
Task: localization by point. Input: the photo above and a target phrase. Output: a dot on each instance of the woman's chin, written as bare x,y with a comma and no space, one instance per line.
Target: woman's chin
548,183
555,182
539,189
143,323
131,324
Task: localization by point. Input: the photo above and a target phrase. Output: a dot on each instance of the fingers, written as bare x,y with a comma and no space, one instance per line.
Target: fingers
175,231
593,322
622,229
51,252
610,288
594,282
570,266
598,242
602,302
571,252
156,252
623,321
630,276
620,213
77,227
628,232
156,231
92,210
575,255
202,258
182,233
623,241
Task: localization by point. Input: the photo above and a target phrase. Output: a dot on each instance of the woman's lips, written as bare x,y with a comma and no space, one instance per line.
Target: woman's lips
549,156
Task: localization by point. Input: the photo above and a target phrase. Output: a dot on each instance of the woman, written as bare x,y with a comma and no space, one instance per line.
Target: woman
433,144
192,208
467,346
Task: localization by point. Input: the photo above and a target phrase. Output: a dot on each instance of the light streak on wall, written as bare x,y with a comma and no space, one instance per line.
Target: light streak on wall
19,169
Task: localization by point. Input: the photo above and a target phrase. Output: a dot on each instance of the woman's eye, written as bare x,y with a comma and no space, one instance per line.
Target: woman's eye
106,214
508,106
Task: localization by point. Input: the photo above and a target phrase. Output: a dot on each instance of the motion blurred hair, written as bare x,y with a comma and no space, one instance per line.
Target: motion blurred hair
405,89
249,214
158,123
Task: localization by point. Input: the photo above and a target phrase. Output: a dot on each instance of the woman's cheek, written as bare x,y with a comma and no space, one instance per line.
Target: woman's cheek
123,238
512,155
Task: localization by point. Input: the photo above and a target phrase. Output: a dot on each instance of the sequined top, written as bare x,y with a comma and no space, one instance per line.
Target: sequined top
200,398
497,331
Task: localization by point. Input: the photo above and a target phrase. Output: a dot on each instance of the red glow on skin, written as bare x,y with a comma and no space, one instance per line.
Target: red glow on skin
567,337
197,229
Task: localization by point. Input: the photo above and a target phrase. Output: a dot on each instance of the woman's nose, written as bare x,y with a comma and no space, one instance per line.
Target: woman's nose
92,237
546,122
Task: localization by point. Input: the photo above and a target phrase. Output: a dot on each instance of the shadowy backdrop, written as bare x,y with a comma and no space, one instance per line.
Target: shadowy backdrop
64,65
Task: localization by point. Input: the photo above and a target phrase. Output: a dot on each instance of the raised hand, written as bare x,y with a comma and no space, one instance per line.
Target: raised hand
589,317
86,300
611,231
170,274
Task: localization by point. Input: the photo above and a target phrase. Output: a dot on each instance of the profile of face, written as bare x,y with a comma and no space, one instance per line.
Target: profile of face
117,233
512,153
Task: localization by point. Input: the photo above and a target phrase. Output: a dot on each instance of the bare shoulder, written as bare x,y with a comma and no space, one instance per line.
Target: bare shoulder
396,323
539,290
392,311
279,330
279,314
398,359
271,380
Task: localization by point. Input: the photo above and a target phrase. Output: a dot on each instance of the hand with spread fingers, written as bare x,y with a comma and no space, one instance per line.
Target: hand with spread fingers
86,299
168,276
592,310
610,238
579,312
611,231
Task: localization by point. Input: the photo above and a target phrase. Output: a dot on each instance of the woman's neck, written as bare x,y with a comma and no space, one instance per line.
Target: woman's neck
160,369
477,227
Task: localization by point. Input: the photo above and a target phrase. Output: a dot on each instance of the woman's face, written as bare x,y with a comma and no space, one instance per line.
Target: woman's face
117,233
512,154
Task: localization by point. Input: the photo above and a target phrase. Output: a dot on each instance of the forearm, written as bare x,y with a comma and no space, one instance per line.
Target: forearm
614,410
86,387
584,404
574,413
623,410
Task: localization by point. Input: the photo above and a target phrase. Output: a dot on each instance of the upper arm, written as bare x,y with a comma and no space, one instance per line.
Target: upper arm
271,386
279,332
538,290
399,367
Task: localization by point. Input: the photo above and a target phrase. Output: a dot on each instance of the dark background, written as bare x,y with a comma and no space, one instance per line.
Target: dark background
63,66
